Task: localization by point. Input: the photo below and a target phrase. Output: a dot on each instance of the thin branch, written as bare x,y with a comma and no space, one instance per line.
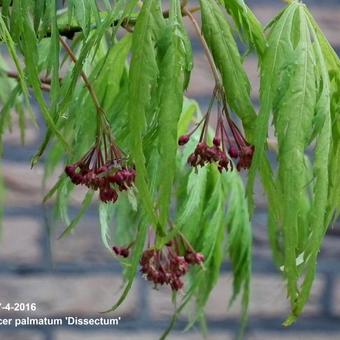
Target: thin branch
45,83
83,75
205,46
102,120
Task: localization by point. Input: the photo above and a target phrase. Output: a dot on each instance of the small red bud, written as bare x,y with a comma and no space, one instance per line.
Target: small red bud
70,170
108,194
217,141
121,251
233,151
183,139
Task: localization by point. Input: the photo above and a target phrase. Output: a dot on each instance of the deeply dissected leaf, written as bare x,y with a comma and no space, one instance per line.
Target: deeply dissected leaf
84,206
333,65
271,66
104,219
191,211
171,86
239,238
318,215
143,71
295,88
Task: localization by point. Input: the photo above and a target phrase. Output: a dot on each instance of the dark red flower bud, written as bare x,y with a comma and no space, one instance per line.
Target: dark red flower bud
193,159
233,151
121,251
107,194
217,141
77,179
183,139
70,170
223,164
176,283
248,150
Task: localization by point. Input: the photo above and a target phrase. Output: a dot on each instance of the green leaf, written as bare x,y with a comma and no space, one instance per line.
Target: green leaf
321,176
82,11
190,107
217,33
143,71
294,127
104,218
5,113
53,61
110,74
171,87
29,42
91,42
239,238
190,214
55,188
84,206
333,64
272,63
247,23
5,35
295,88
5,4
39,7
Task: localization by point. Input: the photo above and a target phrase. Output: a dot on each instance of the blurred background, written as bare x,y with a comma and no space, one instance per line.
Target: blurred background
76,276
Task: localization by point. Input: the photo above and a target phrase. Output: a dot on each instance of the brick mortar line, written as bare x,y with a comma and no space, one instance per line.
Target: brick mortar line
327,297
260,266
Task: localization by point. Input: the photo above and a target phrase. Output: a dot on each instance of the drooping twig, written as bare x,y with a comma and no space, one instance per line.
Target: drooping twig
205,47
102,121
83,75
45,83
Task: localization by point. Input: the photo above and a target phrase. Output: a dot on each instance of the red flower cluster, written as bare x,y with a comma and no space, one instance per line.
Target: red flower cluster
166,266
205,154
105,170
225,145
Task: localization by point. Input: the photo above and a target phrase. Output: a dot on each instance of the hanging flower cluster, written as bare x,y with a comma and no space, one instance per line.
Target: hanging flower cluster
105,168
228,142
167,265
